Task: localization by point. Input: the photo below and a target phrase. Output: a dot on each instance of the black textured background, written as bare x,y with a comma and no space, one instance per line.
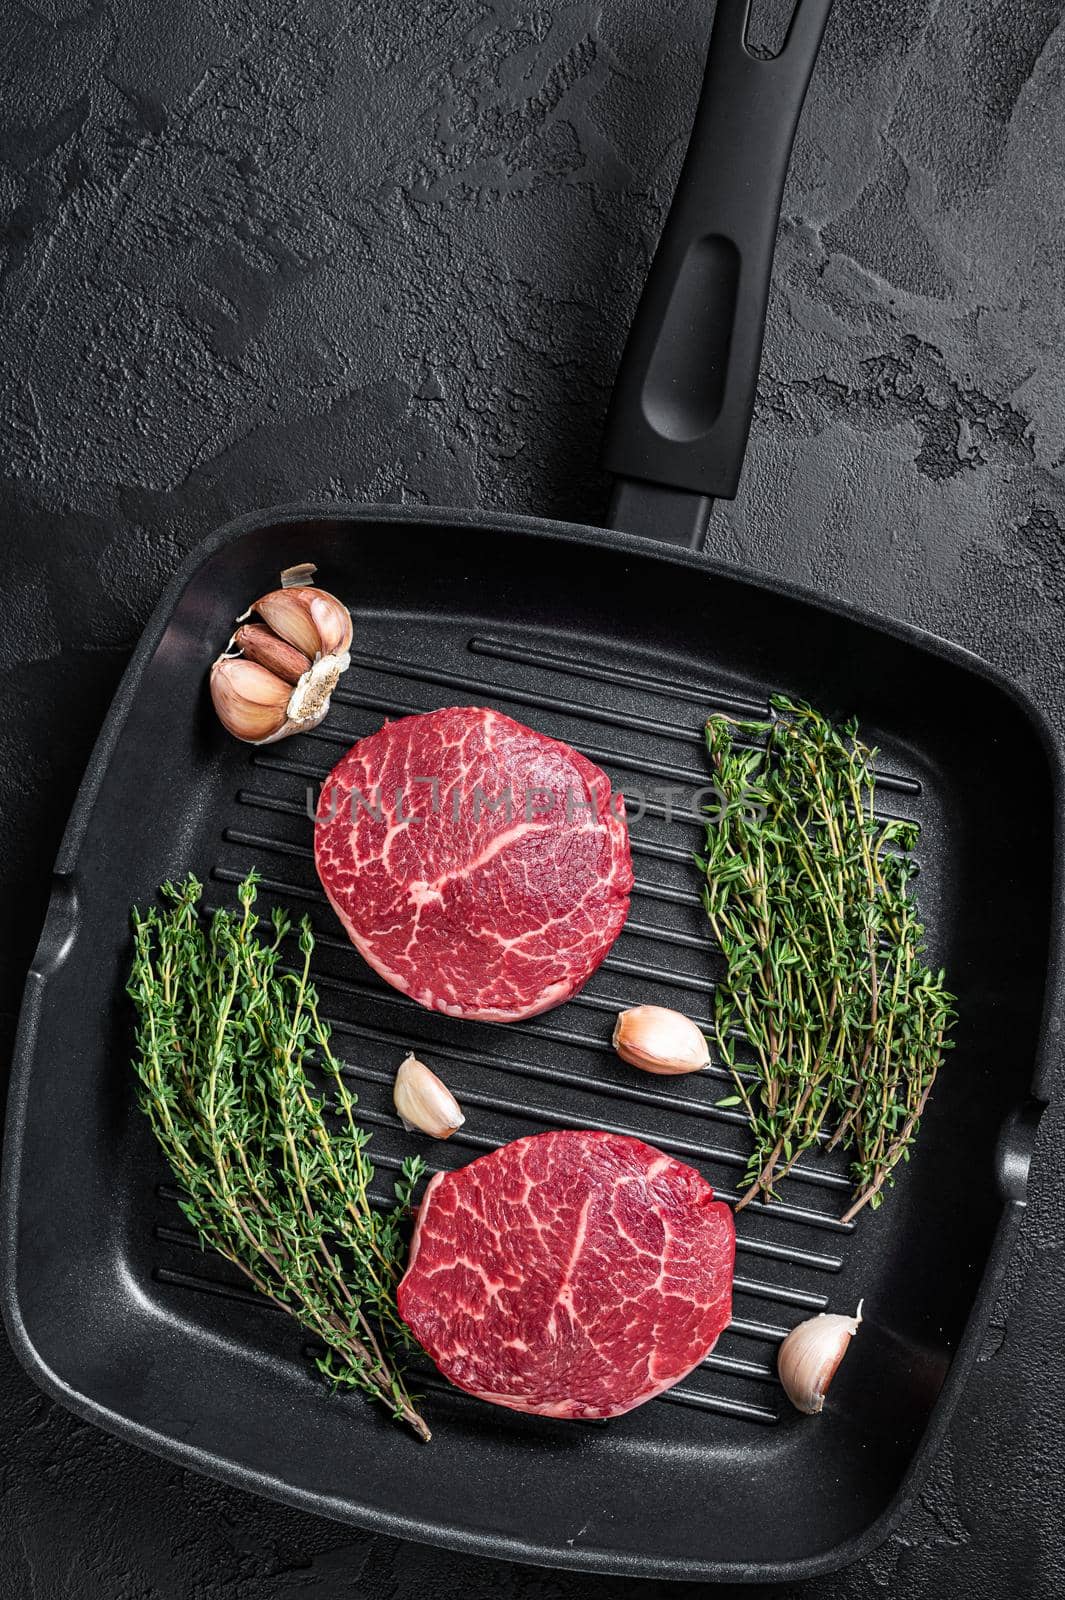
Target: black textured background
258,252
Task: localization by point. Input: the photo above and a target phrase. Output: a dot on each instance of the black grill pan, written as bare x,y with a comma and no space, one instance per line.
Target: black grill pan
622,646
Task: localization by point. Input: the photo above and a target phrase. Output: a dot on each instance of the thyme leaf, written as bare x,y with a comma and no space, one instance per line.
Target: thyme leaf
841,1024
273,1169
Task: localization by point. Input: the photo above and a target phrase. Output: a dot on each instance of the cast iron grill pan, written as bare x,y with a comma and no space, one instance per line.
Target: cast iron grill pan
592,638
622,648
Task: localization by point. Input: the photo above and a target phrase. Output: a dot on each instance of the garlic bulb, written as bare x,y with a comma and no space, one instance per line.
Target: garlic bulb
276,675
808,1359
424,1104
658,1040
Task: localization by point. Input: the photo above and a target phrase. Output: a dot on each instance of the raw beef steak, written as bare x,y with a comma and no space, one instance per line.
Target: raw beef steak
480,867
569,1274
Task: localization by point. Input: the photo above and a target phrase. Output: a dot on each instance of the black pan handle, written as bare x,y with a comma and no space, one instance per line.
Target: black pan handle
677,428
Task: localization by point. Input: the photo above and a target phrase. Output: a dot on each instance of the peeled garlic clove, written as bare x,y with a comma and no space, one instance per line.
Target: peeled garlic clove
308,618
808,1359
659,1040
251,701
259,644
424,1104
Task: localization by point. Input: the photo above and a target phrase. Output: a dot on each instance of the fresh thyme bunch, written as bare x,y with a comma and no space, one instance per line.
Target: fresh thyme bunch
808,896
275,1175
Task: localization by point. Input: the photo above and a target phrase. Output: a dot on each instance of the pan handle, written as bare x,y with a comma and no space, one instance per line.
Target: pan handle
678,423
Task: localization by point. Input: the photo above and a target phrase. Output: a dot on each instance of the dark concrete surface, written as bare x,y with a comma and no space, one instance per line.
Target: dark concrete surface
262,252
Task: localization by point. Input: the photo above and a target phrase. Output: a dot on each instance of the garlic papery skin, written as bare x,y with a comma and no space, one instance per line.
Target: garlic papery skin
659,1040
276,675
808,1359
424,1104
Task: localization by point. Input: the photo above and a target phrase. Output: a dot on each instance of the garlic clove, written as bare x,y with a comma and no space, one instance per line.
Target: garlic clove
333,622
659,1040
809,1358
251,701
286,616
424,1104
259,644
308,618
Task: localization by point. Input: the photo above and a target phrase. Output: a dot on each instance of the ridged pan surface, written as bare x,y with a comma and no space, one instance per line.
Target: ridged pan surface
622,653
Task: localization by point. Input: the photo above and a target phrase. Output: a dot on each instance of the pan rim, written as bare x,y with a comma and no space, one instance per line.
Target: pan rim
50,951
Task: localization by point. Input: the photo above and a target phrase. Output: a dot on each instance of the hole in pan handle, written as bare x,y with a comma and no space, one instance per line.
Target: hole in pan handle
677,428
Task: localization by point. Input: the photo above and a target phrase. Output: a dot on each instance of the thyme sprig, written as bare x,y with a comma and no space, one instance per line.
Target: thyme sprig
274,1173
828,1018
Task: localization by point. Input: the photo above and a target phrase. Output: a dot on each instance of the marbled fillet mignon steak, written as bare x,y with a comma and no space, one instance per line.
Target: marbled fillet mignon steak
479,867
569,1274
